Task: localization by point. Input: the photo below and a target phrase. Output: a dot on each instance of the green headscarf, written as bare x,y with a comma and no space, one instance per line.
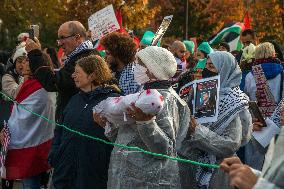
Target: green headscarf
147,38
200,64
205,47
189,46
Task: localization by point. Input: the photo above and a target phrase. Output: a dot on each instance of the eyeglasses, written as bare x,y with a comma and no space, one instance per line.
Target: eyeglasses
247,43
61,38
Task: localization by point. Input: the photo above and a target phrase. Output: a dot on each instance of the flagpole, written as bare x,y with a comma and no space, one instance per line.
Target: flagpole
186,20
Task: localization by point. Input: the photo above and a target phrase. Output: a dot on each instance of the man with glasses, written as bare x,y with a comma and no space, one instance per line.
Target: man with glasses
73,40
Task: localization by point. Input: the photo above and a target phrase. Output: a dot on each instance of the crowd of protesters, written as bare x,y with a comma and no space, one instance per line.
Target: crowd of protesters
42,154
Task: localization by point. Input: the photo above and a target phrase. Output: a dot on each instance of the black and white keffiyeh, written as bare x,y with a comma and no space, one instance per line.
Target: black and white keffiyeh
276,116
126,80
85,45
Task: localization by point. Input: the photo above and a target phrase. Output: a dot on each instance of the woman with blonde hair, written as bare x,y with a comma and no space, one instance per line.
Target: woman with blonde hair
263,84
80,162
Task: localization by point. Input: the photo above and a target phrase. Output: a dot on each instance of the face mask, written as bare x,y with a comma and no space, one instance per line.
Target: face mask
207,73
140,75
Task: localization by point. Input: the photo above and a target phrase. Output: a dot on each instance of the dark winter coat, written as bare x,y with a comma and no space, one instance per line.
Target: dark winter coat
80,162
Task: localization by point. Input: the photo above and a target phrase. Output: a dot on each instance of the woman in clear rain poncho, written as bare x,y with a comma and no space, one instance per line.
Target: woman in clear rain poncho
212,142
159,134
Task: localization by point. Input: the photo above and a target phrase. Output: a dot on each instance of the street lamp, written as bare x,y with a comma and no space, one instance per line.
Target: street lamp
186,20
1,22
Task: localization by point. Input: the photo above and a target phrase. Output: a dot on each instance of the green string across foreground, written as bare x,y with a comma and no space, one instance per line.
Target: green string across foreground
214,166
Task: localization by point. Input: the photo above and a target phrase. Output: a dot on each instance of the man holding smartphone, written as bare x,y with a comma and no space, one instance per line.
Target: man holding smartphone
73,40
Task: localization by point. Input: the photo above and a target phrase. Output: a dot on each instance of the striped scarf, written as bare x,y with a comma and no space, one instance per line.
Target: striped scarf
85,45
265,99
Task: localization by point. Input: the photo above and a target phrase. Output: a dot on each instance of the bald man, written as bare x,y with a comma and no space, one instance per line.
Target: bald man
73,40
178,49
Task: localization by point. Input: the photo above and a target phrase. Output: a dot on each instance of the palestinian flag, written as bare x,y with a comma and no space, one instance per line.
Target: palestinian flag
31,136
230,33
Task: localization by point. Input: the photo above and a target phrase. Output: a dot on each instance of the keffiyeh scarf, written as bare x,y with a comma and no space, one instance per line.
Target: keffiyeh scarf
126,81
85,45
276,116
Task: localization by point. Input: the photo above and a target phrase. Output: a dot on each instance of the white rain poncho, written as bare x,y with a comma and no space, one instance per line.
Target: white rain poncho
134,169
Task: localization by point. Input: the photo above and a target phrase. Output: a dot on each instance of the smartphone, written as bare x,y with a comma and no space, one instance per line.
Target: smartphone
34,30
256,113
31,34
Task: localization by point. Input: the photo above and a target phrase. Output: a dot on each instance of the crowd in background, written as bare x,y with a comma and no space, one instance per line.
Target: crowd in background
65,90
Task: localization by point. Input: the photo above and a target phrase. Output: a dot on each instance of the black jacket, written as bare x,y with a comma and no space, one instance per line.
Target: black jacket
59,81
80,162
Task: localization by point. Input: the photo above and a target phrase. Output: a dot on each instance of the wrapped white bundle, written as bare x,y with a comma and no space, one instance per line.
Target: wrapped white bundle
114,109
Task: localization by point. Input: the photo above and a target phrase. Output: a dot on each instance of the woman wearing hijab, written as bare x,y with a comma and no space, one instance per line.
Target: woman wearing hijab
212,142
158,134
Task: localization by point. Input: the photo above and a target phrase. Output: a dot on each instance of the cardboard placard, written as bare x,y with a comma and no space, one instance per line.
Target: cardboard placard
103,22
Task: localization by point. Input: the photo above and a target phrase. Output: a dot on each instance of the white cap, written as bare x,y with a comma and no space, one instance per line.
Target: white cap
19,52
159,61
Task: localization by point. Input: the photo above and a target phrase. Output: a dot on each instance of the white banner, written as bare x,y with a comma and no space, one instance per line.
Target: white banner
103,22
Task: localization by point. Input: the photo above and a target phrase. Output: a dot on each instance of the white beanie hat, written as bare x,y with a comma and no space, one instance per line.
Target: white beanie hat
159,61
19,52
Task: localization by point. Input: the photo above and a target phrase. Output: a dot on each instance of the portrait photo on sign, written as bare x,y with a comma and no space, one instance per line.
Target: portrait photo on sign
206,100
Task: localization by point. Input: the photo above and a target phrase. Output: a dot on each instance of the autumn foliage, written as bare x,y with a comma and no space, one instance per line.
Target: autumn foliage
205,16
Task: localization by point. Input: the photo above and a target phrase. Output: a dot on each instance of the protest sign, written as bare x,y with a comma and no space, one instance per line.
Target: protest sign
162,30
103,22
187,94
207,99
202,97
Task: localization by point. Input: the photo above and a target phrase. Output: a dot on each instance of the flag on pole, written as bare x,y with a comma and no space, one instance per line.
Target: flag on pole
247,21
230,33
